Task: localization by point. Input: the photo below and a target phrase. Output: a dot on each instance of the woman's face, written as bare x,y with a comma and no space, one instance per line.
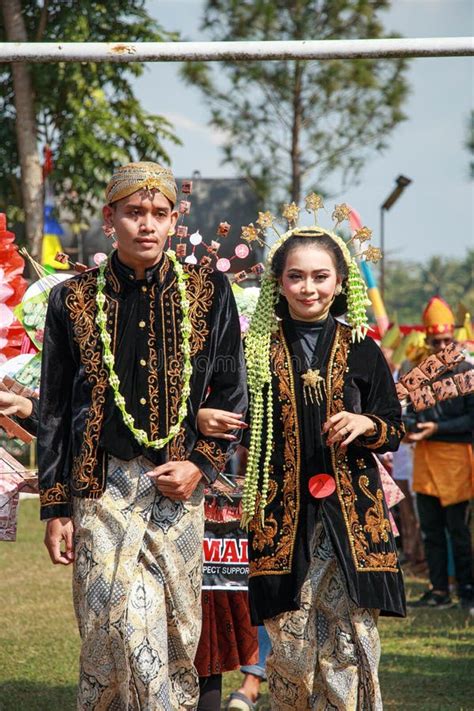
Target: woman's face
308,282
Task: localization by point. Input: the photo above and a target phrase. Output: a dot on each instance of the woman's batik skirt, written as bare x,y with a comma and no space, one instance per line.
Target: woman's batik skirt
325,655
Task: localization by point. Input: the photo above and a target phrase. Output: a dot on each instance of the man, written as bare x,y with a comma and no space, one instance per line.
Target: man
443,474
130,352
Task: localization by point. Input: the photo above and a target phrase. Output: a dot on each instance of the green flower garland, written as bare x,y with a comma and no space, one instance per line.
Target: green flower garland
259,378
109,359
257,354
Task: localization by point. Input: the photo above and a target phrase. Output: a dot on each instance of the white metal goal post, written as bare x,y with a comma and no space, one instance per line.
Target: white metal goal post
237,51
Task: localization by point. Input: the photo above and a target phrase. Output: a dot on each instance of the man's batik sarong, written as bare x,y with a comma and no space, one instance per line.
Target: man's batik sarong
137,584
324,656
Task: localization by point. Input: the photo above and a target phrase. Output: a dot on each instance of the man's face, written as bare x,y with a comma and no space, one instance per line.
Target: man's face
439,341
141,222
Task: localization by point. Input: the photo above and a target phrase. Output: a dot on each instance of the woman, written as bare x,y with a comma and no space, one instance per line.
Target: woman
323,562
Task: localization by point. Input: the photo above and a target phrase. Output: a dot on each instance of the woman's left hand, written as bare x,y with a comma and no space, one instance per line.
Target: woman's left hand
217,423
345,427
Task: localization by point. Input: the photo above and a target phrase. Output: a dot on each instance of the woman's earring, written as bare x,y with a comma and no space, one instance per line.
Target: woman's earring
338,290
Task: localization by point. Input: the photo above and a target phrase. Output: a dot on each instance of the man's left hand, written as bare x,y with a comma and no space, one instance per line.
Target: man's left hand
176,480
425,430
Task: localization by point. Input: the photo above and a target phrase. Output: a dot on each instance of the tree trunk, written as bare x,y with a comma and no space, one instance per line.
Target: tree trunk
296,135
31,173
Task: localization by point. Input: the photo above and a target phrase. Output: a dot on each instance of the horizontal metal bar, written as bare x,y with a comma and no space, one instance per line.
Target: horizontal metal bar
218,51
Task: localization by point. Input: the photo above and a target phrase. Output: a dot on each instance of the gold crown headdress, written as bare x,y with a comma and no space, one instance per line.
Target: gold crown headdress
264,320
356,289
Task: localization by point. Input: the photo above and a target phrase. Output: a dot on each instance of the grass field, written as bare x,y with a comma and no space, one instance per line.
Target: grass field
427,661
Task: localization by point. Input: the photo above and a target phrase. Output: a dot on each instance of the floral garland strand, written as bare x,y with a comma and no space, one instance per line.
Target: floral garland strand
357,301
109,359
257,353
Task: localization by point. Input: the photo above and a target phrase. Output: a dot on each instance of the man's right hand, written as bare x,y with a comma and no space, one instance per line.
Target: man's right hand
57,531
425,430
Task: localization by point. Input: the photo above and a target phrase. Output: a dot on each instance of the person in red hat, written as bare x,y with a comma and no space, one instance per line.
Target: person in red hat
443,474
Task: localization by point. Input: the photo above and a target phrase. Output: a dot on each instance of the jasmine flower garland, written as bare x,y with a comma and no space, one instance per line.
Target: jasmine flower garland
257,353
109,359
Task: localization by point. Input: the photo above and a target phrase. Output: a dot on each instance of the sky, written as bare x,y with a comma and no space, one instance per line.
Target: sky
435,214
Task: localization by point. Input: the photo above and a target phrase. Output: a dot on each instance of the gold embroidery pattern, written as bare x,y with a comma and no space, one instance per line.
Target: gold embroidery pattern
171,388
164,269
200,290
175,369
265,535
213,454
177,449
80,303
111,278
57,494
280,561
364,559
153,392
375,522
382,430
167,315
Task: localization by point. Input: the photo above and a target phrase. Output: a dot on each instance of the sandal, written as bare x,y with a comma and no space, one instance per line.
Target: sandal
239,702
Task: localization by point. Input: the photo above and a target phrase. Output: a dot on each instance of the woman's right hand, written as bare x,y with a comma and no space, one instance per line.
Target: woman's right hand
218,423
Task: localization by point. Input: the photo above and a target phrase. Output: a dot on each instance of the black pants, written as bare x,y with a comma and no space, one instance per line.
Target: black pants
434,519
210,692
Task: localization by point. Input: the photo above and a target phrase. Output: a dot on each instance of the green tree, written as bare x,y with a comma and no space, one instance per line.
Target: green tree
434,275
290,124
86,112
410,285
460,287
403,298
23,140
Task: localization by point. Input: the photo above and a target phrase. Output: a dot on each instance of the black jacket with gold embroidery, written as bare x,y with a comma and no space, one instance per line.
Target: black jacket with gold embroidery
78,422
357,379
